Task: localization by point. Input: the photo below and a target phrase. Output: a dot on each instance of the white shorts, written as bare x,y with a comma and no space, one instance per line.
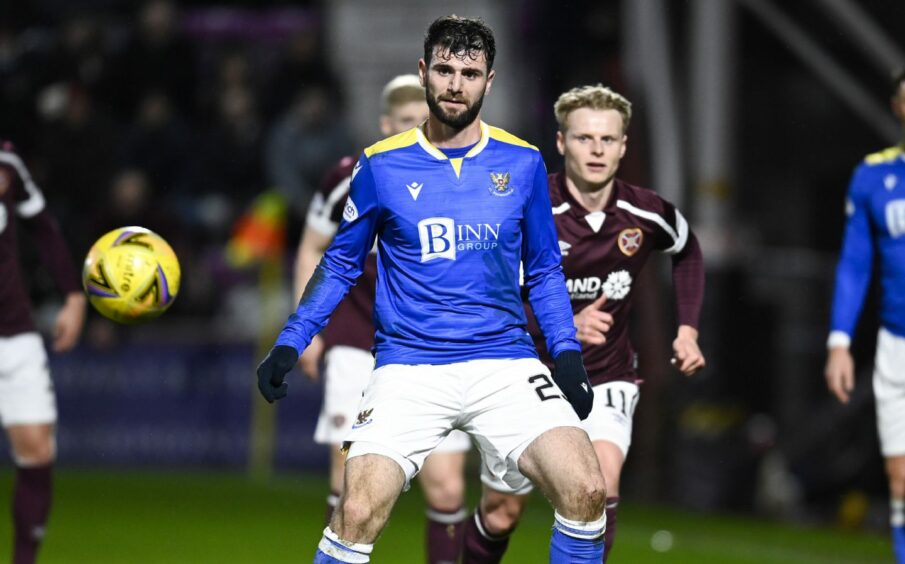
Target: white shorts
455,441
610,420
408,409
26,391
346,374
889,391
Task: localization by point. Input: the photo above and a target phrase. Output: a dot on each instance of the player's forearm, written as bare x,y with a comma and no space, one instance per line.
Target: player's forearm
543,271
853,271
75,299
306,261
688,283
553,311
852,282
323,293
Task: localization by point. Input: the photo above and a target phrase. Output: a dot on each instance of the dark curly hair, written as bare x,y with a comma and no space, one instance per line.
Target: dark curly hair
460,36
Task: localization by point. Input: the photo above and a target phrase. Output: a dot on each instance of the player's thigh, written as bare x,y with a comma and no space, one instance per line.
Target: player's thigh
610,459
895,471
443,468
889,392
26,391
373,477
337,468
346,374
373,483
609,426
510,404
32,444
443,480
562,463
405,412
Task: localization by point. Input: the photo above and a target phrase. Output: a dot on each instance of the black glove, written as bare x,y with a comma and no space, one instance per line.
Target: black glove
569,374
273,369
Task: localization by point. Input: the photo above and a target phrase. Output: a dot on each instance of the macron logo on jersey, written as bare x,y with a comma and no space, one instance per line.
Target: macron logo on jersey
414,189
442,238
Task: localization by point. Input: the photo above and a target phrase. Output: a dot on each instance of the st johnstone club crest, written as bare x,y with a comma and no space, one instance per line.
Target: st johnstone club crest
500,186
630,240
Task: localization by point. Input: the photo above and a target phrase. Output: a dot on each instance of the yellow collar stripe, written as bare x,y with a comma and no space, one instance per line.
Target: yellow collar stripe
506,137
884,156
416,135
427,146
400,141
481,144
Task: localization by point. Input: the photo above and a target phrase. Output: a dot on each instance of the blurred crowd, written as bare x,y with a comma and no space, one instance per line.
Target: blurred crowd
177,117
173,119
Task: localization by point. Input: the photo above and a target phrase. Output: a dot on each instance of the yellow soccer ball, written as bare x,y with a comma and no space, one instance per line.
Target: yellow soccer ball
131,275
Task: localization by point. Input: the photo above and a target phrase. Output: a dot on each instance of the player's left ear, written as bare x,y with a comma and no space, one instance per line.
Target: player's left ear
386,127
561,143
896,103
624,145
490,76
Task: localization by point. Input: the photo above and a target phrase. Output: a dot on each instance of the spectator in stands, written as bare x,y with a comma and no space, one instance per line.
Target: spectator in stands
306,141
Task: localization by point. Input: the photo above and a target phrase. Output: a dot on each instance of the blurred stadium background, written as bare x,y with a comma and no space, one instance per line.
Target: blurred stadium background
199,120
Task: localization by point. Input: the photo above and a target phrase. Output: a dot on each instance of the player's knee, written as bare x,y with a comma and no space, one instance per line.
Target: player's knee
501,515
447,494
356,513
896,474
36,452
501,521
896,489
588,499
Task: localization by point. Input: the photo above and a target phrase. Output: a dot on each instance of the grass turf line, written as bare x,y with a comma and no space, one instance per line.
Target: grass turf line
193,517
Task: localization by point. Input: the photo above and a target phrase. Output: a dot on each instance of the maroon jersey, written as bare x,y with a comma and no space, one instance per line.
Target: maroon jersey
20,197
603,253
352,323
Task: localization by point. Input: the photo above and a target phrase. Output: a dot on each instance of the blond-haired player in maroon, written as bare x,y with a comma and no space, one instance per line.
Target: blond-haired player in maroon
607,229
345,343
27,403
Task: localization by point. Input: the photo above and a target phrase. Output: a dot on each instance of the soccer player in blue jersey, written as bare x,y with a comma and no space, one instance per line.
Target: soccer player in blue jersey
876,227
456,207
345,343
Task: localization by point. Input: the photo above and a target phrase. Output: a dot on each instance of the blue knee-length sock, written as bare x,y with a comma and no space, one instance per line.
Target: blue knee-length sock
897,523
577,542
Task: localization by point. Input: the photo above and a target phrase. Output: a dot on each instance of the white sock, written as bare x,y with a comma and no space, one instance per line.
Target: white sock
344,551
897,512
588,530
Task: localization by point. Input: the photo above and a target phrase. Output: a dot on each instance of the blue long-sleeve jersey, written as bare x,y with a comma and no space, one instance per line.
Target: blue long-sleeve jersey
875,227
452,230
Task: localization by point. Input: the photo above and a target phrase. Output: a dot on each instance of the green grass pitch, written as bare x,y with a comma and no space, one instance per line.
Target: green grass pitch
140,517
